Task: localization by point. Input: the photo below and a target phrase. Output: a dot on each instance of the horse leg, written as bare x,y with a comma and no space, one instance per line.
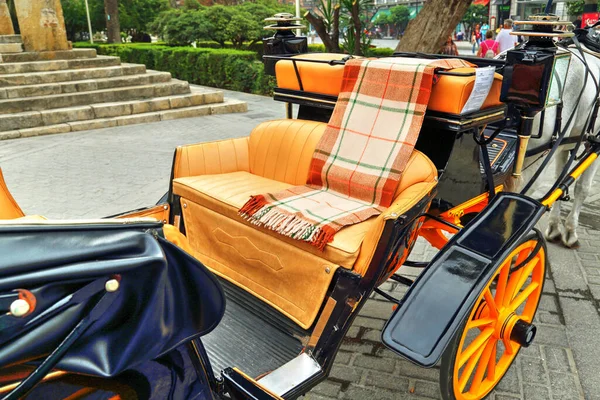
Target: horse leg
553,232
582,190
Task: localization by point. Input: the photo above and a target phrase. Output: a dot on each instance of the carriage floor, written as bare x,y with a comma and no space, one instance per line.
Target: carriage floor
252,336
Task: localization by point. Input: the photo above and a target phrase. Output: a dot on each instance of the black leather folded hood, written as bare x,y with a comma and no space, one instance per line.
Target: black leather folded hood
165,296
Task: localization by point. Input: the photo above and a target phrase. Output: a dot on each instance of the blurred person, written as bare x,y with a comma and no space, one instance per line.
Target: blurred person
449,48
476,38
505,40
484,28
489,47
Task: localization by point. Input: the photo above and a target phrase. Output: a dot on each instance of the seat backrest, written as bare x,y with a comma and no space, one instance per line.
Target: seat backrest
282,149
9,209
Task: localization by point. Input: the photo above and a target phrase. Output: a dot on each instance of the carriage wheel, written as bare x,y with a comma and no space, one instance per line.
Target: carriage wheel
501,323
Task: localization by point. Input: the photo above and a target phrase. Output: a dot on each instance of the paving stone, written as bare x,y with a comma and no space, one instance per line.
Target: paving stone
532,392
506,397
370,362
344,373
373,335
553,335
564,386
388,381
510,381
557,359
367,322
533,351
327,388
548,303
343,357
364,348
427,389
314,396
355,392
406,368
377,309
533,370
353,332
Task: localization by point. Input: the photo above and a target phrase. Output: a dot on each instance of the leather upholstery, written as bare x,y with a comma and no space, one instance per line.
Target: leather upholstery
165,297
9,208
448,95
451,93
288,274
211,158
316,77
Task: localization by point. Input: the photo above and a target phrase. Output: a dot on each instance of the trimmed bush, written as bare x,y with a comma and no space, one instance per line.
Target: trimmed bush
238,70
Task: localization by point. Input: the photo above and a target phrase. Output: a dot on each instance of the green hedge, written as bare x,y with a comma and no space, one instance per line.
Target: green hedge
222,68
239,70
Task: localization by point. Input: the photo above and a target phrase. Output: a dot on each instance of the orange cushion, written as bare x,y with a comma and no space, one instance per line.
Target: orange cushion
448,95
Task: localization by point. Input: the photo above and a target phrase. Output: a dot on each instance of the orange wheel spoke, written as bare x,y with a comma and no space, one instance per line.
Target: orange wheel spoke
509,346
479,323
511,287
502,281
477,344
489,299
482,366
491,368
524,295
466,374
527,269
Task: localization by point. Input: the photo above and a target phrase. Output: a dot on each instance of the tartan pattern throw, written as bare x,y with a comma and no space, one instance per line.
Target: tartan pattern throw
358,162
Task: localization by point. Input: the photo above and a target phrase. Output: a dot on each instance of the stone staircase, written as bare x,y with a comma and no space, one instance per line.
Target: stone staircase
11,44
66,91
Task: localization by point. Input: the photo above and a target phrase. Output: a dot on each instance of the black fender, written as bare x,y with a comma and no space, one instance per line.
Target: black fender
432,310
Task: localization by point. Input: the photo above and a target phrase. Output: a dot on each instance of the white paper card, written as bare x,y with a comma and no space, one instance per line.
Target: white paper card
484,77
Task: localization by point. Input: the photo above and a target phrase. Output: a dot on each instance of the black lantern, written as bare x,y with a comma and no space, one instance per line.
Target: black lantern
284,42
535,73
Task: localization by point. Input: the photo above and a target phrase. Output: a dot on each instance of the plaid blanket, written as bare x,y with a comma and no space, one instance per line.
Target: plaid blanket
357,164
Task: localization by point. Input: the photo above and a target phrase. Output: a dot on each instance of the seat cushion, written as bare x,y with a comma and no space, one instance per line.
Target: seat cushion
448,95
227,193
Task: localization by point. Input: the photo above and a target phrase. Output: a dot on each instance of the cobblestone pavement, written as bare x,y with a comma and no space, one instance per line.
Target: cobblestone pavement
102,172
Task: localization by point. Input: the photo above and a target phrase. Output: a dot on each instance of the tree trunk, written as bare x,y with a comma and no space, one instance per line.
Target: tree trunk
332,44
430,29
113,28
354,13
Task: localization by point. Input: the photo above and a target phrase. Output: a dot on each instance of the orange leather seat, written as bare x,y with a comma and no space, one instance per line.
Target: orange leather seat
9,209
448,95
215,179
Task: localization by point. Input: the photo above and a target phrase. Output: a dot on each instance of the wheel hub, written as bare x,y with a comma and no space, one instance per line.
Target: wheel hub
510,327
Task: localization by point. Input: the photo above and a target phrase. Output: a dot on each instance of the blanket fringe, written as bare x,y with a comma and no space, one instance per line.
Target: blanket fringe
258,212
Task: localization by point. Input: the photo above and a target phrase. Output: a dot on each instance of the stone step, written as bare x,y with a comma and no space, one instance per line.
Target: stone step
57,65
69,75
229,106
47,89
6,48
34,119
30,56
39,103
10,39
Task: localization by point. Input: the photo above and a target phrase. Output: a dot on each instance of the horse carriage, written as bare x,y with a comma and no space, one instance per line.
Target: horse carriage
133,306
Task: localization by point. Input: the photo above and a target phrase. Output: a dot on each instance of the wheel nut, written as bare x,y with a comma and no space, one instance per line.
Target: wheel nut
523,333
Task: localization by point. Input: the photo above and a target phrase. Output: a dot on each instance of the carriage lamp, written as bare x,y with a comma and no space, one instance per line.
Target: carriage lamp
534,75
284,41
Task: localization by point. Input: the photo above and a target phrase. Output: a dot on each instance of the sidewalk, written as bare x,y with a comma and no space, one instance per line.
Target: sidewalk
102,172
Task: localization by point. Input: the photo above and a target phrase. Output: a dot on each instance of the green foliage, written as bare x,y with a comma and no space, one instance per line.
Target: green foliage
382,19
76,19
136,15
399,16
476,14
222,68
218,23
